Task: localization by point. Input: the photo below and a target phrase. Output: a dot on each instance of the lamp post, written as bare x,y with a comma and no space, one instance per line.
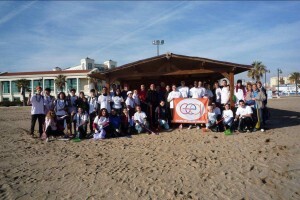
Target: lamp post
279,72
157,43
266,77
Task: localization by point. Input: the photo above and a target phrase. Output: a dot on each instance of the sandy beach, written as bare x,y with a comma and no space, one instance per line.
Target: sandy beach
183,164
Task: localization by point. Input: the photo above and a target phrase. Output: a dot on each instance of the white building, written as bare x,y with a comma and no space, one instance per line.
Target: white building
76,77
274,80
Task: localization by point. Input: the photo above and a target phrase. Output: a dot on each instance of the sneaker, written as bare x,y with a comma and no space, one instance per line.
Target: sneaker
198,127
47,139
190,126
180,126
262,130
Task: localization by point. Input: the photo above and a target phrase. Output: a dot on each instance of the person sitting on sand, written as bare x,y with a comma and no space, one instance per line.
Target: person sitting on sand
101,124
227,117
51,126
161,115
211,117
126,122
140,119
80,120
243,117
114,124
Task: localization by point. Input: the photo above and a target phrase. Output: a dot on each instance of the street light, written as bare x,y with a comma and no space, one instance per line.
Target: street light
157,43
266,77
279,72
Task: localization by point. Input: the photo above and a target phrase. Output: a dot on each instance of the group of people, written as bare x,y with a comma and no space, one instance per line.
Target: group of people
115,112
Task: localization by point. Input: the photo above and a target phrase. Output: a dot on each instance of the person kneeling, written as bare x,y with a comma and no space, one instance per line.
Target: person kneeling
101,124
114,124
161,116
51,126
212,119
140,119
80,120
227,118
244,117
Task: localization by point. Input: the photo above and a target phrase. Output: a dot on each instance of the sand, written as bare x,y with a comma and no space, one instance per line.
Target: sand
183,164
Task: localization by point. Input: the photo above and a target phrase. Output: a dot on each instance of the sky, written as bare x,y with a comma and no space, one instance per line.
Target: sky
40,35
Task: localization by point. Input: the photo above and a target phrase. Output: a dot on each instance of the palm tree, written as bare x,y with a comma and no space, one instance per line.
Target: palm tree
257,71
23,86
60,82
295,77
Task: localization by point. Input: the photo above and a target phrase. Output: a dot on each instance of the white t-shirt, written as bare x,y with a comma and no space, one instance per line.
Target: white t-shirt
37,102
101,122
197,92
244,111
227,114
141,117
117,102
48,103
173,95
184,90
239,95
225,95
211,116
218,95
60,105
136,99
104,102
129,102
92,104
80,119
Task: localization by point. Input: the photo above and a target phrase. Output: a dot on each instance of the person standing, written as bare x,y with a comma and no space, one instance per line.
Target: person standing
142,96
48,101
258,97
104,100
217,94
117,100
93,108
37,110
152,101
225,93
184,90
173,95
239,92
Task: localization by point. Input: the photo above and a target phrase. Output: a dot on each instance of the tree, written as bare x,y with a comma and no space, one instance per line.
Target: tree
295,77
60,82
257,71
23,86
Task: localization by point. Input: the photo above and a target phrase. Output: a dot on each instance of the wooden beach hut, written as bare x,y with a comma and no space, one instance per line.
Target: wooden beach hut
172,68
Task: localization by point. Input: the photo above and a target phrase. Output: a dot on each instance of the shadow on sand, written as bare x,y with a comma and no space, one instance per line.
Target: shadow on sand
283,118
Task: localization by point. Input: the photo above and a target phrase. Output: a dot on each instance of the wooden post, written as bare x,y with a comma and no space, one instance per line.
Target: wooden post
231,83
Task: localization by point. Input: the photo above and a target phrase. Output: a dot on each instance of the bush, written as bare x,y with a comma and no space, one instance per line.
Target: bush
10,103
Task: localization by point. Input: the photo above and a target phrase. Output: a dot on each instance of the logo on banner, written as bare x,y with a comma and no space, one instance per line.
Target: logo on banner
190,109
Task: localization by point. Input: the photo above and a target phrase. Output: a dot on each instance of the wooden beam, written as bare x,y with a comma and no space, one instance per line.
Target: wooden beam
231,83
226,75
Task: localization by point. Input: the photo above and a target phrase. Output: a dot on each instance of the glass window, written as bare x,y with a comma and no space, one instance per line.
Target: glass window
90,65
37,83
72,83
5,87
14,87
49,83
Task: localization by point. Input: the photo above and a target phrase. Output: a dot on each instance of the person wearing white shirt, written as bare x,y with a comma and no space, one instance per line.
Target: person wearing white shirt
227,117
136,98
37,110
243,117
225,93
93,108
117,101
239,92
208,93
184,90
130,103
80,120
173,95
217,93
193,89
104,100
201,89
101,124
140,119
211,117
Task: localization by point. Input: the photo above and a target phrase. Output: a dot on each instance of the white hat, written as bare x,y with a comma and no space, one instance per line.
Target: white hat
129,92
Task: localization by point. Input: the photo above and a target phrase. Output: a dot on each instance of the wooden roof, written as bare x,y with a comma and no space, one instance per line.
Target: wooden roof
172,67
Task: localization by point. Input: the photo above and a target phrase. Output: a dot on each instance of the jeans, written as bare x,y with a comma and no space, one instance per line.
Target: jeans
163,123
140,128
92,116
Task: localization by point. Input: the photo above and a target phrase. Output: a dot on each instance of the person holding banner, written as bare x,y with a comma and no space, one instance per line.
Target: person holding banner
173,95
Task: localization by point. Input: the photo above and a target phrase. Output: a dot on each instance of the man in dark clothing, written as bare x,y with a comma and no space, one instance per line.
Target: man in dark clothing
152,101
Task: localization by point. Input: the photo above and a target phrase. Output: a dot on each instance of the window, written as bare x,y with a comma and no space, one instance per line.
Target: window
14,88
37,83
72,83
90,65
5,87
49,83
